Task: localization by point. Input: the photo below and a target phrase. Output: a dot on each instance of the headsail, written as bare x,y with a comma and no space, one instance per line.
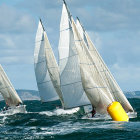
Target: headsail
104,71
7,90
93,83
44,83
52,67
70,78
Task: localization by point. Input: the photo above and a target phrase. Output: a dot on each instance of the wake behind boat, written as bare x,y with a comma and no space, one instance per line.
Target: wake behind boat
12,100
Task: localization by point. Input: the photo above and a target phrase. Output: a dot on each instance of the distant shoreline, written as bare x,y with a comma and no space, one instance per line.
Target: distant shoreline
26,94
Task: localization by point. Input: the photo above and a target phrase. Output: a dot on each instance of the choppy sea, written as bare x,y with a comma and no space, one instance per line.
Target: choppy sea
48,121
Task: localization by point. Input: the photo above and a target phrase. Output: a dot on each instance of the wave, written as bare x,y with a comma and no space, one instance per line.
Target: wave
14,110
106,117
96,117
60,111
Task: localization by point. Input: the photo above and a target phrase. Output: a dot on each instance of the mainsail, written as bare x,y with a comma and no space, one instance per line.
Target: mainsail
111,83
44,83
70,78
7,90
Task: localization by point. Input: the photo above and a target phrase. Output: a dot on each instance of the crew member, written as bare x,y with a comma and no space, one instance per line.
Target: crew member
93,112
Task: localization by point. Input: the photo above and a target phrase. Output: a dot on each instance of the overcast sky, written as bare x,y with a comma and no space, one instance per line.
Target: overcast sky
113,25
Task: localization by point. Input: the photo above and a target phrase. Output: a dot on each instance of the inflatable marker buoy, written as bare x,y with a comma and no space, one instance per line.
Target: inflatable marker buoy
117,112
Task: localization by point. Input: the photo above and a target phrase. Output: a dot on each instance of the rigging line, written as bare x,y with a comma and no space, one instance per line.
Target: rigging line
71,83
65,29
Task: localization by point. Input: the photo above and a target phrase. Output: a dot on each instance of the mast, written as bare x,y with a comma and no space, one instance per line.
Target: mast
42,24
80,24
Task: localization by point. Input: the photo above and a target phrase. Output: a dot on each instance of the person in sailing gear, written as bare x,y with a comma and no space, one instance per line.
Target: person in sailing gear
93,112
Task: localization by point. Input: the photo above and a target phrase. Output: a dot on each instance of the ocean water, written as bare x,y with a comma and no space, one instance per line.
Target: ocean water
44,121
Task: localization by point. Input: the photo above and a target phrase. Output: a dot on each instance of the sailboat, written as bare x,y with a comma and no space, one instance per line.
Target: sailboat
47,59
70,77
80,66
110,81
12,100
45,86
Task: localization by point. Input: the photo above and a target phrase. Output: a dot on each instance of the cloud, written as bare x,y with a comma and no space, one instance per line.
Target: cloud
107,15
15,21
17,30
120,51
121,47
112,25
16,48
127,77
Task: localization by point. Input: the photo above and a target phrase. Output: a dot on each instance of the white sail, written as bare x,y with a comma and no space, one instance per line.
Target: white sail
44,83
52,67
70,77
7,90
93,83
104,71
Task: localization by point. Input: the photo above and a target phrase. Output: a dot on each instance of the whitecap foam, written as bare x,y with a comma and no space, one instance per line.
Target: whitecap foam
132,114
60,111
70,127
96,117
14,110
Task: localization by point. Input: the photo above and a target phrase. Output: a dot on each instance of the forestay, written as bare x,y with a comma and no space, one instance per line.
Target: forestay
70,77
111,83
7,90
44,83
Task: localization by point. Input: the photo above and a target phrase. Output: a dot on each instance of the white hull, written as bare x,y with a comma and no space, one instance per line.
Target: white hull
15,109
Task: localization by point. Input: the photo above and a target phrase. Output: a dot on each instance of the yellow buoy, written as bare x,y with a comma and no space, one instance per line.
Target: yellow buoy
117,112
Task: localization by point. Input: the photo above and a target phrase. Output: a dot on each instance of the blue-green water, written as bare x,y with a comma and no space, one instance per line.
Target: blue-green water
44,121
